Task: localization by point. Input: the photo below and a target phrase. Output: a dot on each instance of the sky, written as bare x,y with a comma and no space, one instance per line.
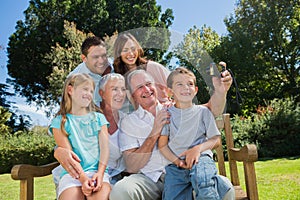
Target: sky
187,13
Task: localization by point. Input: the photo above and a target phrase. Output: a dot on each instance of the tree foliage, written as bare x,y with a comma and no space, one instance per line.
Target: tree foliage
43,29
63,60
274,128
194,53
4,93
262,49
10,121
4,118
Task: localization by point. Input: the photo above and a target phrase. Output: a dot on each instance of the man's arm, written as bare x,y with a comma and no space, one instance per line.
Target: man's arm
137,158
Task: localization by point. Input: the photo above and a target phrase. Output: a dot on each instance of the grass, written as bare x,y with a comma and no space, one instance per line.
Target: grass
44,188
276,179
279,179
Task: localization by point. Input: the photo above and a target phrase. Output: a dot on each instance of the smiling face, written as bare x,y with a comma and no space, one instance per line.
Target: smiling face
129,54
96,59
183,90
143,90
82,96
114,93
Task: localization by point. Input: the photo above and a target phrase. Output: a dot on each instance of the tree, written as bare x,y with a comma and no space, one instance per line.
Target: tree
3,96
10,121
4,118
262,49
63,60
43,29
194,53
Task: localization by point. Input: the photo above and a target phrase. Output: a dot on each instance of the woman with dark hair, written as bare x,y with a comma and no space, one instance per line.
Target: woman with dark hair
129,55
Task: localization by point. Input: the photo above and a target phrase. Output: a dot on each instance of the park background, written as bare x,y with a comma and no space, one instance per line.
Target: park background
186,15
260,43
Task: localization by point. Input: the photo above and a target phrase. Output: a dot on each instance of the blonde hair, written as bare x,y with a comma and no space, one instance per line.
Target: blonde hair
73,80
179,70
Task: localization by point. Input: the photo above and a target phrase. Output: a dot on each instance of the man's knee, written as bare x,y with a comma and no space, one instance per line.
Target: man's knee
120,191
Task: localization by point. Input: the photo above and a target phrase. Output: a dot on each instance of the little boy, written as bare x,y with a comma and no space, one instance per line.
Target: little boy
187,142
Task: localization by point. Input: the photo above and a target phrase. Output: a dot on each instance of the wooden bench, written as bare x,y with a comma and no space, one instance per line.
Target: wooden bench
247,155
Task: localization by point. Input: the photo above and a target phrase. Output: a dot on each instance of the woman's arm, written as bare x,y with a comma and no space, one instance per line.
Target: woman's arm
64,154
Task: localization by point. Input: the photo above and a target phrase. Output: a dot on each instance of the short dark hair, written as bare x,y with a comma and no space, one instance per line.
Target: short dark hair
89,42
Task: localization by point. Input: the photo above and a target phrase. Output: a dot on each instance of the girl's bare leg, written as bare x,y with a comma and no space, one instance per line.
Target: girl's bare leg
73,193
102,194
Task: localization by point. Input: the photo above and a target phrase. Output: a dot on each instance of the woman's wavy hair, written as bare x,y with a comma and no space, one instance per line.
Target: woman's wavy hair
119,66
74,80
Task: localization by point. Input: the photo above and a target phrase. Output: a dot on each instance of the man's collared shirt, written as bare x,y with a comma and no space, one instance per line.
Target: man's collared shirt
136,127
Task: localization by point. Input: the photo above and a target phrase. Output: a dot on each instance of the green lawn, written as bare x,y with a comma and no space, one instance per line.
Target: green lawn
10,189
277,179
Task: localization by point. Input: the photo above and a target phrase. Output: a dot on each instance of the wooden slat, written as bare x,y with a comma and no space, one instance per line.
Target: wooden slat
250,179
221,161
219,150
240,194
247,154
229,144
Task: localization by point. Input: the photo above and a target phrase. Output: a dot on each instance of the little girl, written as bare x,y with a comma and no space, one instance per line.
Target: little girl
78,127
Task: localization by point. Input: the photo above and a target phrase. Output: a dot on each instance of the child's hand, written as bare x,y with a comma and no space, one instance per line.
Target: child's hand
180,163
191,156
96,181
87,188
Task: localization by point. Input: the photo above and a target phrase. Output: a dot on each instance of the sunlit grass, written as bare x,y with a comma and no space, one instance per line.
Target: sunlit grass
277,179
44,188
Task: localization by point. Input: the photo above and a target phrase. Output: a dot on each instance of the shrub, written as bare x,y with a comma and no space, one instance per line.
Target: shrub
274,129
20,148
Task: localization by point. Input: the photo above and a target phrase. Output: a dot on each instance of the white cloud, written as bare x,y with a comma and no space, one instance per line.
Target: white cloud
37,116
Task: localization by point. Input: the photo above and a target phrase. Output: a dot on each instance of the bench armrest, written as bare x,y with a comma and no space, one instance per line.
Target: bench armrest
24,171
247,153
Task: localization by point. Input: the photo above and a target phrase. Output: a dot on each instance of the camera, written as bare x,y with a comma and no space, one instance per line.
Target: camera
216,70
